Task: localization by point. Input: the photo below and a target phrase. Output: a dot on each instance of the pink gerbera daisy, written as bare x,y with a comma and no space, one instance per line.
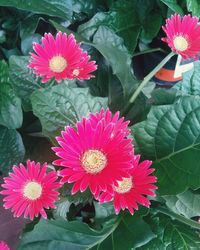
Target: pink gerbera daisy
4,246
60,58
95,154
133,190
183,35
30,189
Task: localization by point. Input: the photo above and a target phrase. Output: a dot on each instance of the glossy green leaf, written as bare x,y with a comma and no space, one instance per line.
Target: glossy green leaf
23,79
60,234
173,5
190,83
29,25
62,208
124,23
132,232
171,235
62,9
10,104
112,48
62,105
187,203
171,138
194,7
12,148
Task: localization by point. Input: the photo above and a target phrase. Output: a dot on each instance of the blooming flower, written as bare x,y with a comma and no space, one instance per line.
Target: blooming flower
183,35
4,246
95,154
30,189
61,58
133,190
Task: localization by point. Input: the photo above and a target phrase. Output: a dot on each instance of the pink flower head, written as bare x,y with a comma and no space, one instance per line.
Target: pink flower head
4,246
61,58
133,190
183,35
30,189
95,154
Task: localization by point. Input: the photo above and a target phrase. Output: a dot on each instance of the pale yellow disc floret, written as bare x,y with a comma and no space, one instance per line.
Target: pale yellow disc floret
32,190
57,64
76,72
93,161
124,186
180,43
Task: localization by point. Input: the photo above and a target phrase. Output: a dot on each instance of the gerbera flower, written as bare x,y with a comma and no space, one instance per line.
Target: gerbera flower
4,246
60,58
133,190
183,35
30,189
95,154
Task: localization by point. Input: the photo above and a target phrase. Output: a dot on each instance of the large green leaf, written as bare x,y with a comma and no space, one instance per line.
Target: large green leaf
23,79
171,235
62,105
187,203
194,7
117,233
171,137
60,234
62,8
10,104
132,232
190,83
173,5
112,48
118,23
12,148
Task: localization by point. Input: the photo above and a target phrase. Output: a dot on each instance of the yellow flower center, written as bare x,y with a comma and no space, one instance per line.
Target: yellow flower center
57,64
180,43
93,161
124,186
32,190
76,72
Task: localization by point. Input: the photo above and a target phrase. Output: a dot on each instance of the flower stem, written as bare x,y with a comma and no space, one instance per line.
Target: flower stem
178,217
149,76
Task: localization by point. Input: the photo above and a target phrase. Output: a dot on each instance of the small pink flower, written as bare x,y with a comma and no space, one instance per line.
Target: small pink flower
30,189
95,154
133,190
183,35
4,246
60,58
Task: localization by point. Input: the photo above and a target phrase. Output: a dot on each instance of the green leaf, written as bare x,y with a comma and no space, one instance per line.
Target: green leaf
62,9
29,26
124,22
112,48
60,234
62,105
23,79
132,232
173,5
194,7
190,84
12,148
171,235
62,208
171,137
10,104
151,26
187,203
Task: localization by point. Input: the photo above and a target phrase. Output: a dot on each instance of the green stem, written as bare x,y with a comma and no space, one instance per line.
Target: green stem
147,51
178,217
149,76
